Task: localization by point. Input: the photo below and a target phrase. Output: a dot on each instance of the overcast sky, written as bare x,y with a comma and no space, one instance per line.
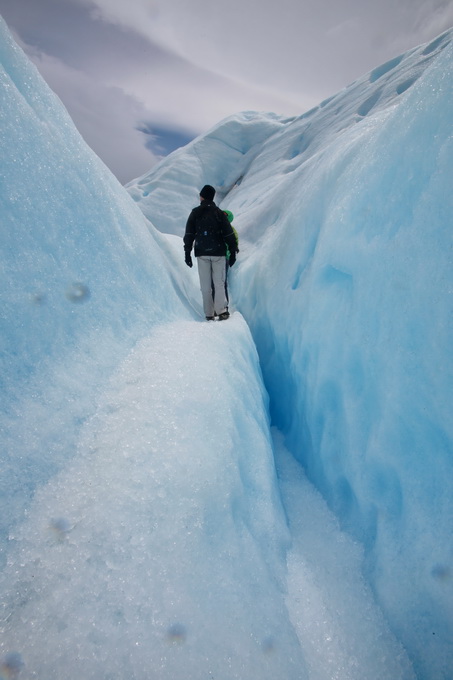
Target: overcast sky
141,77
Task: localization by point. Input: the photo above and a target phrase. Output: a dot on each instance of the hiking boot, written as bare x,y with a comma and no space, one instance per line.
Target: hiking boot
224,316
210,318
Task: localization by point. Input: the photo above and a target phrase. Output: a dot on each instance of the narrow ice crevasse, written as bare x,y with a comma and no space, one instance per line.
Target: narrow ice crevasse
341,629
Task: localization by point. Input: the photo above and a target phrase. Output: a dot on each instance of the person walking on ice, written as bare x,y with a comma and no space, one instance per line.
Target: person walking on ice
230,217
210,230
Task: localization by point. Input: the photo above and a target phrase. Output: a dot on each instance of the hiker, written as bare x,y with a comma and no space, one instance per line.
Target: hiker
230,218
209,228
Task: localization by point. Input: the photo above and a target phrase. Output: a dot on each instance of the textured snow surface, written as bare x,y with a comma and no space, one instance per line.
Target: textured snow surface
162,545
152,522
345,279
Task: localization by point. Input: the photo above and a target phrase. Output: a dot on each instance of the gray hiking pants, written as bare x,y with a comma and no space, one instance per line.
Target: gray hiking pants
212,273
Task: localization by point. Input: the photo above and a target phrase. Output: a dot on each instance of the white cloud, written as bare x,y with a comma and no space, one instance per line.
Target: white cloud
109,104
106,117
195,99
186,64
283,46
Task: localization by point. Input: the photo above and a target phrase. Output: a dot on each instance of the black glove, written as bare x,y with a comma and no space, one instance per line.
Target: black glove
188,259
232,259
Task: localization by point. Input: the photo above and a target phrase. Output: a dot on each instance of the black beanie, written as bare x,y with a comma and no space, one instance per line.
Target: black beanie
208,192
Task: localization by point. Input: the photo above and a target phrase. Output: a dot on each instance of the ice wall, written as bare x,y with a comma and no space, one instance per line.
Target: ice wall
345,278
82,278
349,299
142,528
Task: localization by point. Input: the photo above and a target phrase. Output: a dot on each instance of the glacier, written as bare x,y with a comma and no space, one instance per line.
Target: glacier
345,281
268,497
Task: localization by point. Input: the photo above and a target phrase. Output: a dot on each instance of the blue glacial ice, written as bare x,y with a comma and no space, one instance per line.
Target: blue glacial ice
152,521
345,280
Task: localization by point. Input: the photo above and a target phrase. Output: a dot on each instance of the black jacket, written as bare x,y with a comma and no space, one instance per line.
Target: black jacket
208,214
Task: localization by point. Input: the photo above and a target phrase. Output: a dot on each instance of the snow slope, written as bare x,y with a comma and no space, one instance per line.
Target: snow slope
130,559
81,280
145,528
345,278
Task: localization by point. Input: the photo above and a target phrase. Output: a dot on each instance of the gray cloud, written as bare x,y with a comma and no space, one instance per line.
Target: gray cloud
105,116
283,46
179,66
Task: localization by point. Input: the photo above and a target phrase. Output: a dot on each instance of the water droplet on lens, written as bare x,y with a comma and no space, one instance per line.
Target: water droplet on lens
176,634
60,527
11,666
441,572
78,292
268,645
39,299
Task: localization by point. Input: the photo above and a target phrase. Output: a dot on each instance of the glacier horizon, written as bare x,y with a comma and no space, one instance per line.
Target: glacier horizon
96,300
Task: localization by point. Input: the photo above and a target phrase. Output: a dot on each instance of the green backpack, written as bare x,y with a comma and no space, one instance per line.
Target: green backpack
230,217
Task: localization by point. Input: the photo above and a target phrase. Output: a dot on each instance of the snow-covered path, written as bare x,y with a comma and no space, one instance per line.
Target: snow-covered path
164,545
160,551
